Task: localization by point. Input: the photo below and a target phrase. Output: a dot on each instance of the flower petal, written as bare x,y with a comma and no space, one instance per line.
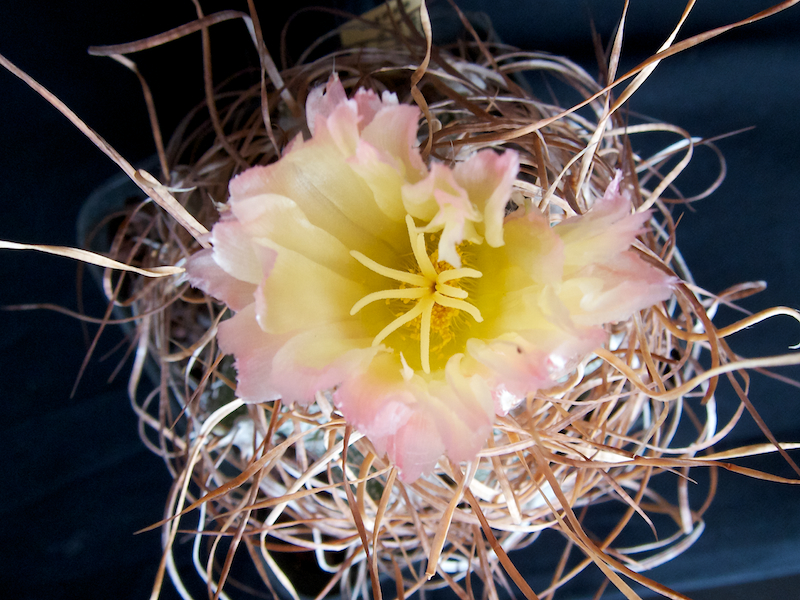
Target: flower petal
331,195
535,246
613,291
277,222
383,176
513,363
254,351
300,294
606,230
522,363
319,359
408,437
463,410
441,201
414,422
340,129
487,178
369,104
237,255
322,101
204,273
393,132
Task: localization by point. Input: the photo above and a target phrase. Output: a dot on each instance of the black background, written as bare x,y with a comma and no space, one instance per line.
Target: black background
77,482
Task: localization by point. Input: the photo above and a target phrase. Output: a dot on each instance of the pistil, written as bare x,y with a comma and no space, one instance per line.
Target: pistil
430,288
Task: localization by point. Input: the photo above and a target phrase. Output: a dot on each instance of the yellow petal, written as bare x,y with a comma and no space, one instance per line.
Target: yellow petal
383,178
235,252
277,221
334,197
301,294
487,178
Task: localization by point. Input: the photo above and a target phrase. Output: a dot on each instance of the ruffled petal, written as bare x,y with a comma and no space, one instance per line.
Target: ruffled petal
321,102
613,291
393,132
519,364
384,178
513,363
535,247
408,437
487,178
464,411
412,421
331,195
291,367
439,200
301,294
369,104
319,359
254,352
277,222
339,130
606,230
204,273
237,255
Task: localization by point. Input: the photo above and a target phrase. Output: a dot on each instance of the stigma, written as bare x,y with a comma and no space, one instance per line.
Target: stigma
428,287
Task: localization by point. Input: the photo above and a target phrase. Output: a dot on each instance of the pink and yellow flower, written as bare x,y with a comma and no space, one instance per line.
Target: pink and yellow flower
405,291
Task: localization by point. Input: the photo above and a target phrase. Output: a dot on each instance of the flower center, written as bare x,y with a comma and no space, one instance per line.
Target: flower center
430,288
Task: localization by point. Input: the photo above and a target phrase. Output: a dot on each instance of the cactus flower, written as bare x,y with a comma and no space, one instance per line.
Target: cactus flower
406,291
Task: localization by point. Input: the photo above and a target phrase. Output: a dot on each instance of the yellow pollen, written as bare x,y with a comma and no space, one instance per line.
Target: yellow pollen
436,300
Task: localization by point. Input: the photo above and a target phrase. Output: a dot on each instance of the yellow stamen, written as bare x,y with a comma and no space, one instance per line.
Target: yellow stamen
458,274
458,305
430,288
400,294
420,252
454,292
425,333
398,323
411,278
